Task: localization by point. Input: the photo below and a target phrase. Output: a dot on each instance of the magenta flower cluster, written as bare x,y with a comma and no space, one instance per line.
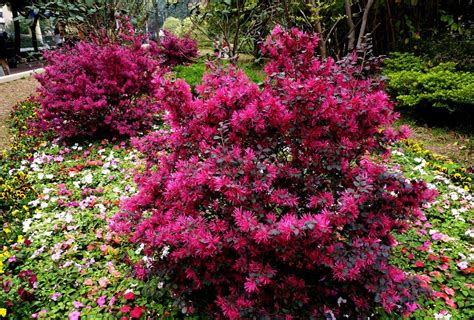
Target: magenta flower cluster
177,50
269,202
103,87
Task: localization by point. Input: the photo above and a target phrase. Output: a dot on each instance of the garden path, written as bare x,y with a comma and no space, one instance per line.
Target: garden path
11,93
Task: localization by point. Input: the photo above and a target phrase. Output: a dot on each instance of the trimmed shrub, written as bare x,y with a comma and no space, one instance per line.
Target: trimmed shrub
267,203
99,86
414,82
172,25
176,50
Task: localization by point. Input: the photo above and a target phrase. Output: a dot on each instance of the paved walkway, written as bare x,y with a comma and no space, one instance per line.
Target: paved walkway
11,93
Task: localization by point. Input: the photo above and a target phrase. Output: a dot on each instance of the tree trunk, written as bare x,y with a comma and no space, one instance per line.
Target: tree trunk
17,28
319,30
350,23
287,14
364,23
34,40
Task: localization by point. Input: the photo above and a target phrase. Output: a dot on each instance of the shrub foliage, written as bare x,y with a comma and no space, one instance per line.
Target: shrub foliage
267,203
103,86
99,86
178,50
415,82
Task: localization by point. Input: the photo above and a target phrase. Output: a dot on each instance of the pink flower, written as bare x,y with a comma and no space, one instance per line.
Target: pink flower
104,282
77,304
74,315
463,265
55,296
411,307
101,300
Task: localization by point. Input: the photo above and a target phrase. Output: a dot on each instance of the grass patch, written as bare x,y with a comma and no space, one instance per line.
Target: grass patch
193,73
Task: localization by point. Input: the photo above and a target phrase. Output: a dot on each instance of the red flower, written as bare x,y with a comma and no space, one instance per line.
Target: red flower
125,309
419,264
129,296
432,257
136,313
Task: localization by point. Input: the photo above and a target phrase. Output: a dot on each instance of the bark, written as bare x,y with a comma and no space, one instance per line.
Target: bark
319,29
287,14
33,33
350,23
16,25
364,23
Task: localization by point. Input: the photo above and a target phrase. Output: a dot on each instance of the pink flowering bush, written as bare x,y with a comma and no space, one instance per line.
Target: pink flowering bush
99,87
176,50
269,203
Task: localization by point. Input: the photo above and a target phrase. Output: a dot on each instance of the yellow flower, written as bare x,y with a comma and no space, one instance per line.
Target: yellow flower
20,239
466,188
6,230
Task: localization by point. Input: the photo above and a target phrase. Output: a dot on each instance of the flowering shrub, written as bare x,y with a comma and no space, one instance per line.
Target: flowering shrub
176,50
267,203
99,87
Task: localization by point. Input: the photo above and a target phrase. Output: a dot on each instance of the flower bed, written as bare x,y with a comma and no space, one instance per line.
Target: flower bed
59,260
58,257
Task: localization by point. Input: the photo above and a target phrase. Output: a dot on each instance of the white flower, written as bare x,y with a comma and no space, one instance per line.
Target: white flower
49,176
72,173
470,233
68,218
40,176
88,178
166,251
44,205
443,315
26,225
139,249
463,265
34,203
340,301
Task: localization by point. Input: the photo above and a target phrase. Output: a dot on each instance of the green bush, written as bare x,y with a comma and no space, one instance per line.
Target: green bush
172,24
198,34
413,81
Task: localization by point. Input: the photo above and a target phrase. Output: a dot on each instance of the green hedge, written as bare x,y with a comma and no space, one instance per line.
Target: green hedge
414,81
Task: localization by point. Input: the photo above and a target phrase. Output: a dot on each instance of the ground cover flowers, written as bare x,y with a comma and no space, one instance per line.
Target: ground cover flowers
60,259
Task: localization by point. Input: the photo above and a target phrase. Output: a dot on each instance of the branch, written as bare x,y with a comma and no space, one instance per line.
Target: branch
364,23
350,23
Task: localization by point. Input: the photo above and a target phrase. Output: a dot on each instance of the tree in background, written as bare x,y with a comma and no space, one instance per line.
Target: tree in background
342,25
16,7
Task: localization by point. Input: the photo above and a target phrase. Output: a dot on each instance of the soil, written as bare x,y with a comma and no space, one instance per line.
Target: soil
10,94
